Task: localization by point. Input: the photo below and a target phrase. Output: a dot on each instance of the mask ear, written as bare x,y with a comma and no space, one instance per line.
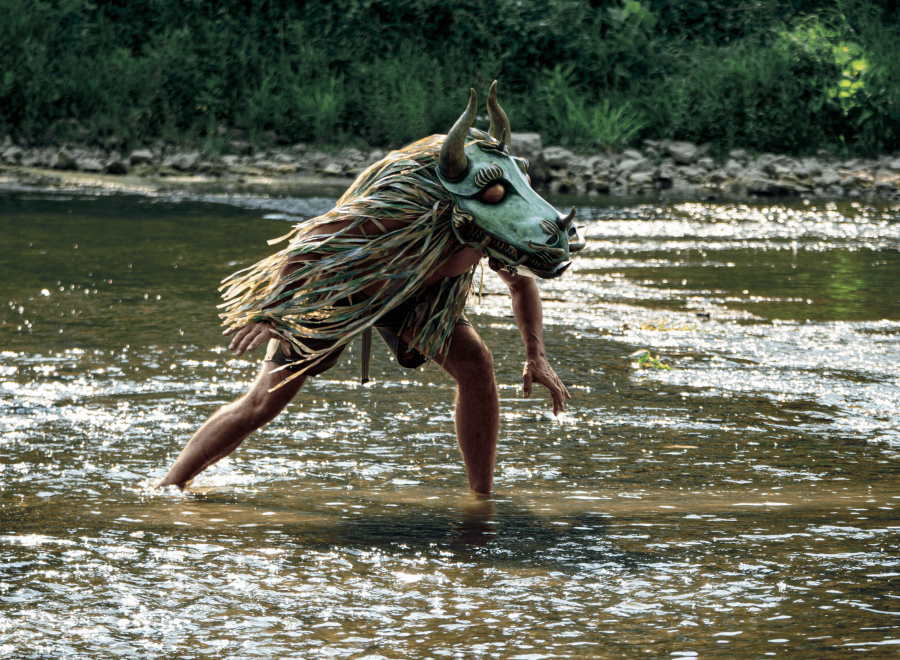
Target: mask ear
500,129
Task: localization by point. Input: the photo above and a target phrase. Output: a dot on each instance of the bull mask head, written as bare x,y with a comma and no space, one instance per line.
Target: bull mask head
494,206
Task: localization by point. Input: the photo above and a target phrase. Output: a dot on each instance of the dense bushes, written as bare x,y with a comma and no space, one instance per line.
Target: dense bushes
585,72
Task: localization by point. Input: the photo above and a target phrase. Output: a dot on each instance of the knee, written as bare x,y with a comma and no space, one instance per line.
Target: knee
474,365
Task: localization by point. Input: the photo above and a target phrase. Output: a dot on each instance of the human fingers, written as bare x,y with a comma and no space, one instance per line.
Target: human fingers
526,384
248,339
557,389
236,328
258,339
254,338
239,337
559,403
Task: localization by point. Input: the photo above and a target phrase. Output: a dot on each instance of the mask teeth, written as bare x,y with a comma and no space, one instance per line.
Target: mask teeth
547,251
521,260
545,256
496,244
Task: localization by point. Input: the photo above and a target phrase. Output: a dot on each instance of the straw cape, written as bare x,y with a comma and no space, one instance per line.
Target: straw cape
311,303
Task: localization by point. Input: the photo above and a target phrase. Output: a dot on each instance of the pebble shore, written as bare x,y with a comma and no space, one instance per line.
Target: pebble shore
681,168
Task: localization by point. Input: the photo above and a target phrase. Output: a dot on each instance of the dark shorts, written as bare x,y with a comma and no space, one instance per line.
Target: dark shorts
390,327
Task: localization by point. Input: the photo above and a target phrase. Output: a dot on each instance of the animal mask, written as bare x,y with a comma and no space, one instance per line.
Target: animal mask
494,207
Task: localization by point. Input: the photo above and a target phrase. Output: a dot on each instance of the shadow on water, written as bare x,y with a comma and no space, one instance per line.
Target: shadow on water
503,532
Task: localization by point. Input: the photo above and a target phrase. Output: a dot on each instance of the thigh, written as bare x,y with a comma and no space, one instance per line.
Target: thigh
292,362
468,355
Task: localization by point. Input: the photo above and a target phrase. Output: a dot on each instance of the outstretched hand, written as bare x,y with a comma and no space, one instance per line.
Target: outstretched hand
248,337
540,371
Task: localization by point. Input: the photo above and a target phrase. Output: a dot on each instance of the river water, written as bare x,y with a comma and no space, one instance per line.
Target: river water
741,504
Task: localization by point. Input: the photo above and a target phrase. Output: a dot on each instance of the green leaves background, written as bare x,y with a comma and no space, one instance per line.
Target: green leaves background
775,76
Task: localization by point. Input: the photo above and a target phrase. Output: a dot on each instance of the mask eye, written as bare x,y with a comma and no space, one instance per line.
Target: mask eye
493,194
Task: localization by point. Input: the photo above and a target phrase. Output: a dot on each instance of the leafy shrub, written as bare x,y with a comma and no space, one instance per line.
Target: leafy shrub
583,72
575,121
746,93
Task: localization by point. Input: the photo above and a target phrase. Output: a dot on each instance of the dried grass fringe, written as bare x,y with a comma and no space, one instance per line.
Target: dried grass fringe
401,187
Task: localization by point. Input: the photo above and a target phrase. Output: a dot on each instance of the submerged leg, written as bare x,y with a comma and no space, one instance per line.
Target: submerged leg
222,433
470,364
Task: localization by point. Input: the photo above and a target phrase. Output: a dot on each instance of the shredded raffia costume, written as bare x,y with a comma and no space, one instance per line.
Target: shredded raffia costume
324,300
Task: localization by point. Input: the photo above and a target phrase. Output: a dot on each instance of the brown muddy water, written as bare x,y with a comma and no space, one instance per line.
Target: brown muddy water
743,504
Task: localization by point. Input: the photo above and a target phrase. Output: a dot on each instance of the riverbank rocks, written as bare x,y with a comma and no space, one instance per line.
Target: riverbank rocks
526,145
686,168
116,165
240,147
374,156
678,167
12,155
63,160
186,162
89,164
530,147
141,157
683,153
558,157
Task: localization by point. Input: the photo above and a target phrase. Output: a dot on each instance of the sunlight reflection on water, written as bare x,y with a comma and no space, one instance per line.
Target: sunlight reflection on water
743,502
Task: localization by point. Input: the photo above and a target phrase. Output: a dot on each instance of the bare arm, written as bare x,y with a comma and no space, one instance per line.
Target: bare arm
526,304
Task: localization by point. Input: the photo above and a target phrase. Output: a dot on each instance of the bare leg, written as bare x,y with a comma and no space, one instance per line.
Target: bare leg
222,433
470,364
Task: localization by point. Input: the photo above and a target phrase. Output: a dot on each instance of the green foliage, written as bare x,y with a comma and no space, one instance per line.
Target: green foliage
745,93
630,37
642,358
574,121
873,116
587,73
814,35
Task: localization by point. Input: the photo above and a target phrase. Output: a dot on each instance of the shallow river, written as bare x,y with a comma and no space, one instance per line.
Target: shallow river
742,504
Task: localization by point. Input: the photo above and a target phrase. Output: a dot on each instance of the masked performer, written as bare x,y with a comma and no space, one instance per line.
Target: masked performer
398,254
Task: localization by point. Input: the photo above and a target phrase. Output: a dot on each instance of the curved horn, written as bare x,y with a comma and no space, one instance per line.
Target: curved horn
500,129
565,222
454,164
